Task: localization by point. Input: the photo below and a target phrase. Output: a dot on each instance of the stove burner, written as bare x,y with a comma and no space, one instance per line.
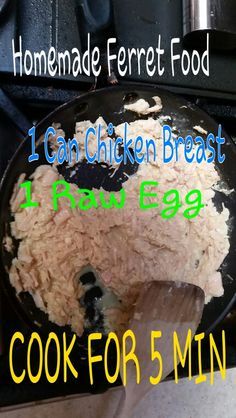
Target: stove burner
3,5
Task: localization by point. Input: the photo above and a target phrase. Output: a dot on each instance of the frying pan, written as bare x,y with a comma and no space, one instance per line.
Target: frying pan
109,103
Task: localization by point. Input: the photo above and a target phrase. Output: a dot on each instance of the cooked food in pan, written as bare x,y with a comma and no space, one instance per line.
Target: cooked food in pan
125,247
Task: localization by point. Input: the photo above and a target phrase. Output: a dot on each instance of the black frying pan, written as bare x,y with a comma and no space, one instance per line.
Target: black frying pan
109,104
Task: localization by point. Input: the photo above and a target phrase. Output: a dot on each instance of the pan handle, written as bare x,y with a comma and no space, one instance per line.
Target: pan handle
14,114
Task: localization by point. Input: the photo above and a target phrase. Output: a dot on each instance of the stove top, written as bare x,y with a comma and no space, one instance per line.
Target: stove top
26,100
64,25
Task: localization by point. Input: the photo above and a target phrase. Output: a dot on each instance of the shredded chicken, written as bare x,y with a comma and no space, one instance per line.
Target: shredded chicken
200,130
127,247
142,107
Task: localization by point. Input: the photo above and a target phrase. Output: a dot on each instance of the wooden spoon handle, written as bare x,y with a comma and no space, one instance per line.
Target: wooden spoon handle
168,307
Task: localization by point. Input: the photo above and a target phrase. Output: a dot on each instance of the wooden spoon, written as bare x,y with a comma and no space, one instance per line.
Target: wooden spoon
166,307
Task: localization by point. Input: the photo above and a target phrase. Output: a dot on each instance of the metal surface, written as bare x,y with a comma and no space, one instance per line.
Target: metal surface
3,5
97,19
140,26
217,16
18,118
